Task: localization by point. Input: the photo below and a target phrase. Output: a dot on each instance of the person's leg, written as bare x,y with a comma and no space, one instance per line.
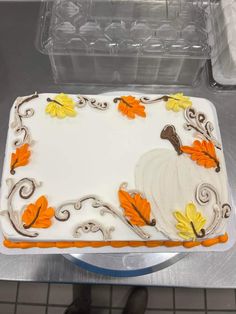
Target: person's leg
82,300
137,301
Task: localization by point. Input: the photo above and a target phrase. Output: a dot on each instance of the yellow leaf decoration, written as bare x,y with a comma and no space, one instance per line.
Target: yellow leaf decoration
61,106
178,101
190,224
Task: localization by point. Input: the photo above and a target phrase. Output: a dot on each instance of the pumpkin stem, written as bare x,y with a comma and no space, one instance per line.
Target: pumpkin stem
169,133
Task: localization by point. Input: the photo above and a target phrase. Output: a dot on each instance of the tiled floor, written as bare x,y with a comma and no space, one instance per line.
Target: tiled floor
42,298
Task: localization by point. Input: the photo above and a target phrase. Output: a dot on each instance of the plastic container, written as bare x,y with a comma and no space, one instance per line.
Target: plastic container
222,38
160,42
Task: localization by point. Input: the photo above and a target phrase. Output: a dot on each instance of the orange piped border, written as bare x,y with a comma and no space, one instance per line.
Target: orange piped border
116,244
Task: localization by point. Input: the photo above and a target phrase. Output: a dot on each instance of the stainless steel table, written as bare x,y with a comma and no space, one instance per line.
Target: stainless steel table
23,70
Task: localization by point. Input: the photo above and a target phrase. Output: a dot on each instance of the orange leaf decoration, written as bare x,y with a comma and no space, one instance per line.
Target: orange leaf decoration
136,209
130,107
38,215
20,157
203,153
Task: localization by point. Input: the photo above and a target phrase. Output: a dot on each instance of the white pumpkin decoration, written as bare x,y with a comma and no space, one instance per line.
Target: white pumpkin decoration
169,182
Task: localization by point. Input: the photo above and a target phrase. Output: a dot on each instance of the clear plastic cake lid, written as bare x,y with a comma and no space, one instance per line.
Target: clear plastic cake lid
222,40
167,28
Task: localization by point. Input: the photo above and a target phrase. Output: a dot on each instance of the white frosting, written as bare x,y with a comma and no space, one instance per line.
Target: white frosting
94,152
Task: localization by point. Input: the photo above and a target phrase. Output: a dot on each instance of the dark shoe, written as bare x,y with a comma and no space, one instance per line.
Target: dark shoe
137,301
82,300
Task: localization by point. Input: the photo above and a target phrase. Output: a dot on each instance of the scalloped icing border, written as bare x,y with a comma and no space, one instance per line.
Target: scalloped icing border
116,244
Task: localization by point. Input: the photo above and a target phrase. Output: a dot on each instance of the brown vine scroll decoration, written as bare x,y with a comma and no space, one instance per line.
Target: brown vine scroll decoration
92,102
25,188
148,100
198,121
205,193
17,124
63,212
93,226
